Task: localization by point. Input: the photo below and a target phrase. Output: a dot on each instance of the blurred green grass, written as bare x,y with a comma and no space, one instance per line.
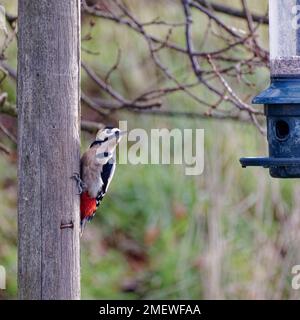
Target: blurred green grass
229,233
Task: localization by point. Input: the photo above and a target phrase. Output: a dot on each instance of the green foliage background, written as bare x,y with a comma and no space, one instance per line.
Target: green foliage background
229,233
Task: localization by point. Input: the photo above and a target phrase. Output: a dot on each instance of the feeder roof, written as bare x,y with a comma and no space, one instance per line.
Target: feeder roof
281,91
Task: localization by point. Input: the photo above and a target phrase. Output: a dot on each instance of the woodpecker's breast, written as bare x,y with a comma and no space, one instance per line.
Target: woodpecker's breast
91,173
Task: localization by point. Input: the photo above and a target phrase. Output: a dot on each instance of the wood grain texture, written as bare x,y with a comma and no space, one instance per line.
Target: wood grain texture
49,148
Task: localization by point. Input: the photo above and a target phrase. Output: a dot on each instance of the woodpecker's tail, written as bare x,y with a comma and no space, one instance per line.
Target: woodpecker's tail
82,225
84,221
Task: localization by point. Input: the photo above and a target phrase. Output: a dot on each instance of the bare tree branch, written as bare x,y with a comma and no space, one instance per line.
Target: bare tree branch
6,107
124,103
232,11
4,149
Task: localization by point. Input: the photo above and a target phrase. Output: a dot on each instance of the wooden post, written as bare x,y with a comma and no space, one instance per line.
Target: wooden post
49,148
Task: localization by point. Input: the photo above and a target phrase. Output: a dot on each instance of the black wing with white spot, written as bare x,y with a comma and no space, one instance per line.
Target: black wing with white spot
106,176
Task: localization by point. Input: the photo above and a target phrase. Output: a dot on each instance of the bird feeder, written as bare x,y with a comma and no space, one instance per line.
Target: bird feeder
282,99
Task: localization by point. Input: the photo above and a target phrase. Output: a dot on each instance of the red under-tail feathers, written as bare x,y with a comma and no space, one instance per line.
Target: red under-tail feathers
88,207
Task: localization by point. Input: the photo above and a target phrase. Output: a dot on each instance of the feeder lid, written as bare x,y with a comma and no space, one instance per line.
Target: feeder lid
283,90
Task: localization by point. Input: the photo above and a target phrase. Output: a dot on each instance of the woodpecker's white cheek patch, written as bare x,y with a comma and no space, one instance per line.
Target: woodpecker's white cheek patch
104,155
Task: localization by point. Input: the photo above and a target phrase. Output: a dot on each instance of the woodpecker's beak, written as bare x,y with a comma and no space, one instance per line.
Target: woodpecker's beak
120,133
116,135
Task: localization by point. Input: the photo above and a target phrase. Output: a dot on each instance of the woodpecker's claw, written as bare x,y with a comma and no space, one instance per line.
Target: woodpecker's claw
80,184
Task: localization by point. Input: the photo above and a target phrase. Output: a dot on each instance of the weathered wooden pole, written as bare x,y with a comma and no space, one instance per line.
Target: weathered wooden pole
48,130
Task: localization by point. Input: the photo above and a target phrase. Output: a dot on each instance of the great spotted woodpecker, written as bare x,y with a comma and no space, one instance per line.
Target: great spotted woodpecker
97,167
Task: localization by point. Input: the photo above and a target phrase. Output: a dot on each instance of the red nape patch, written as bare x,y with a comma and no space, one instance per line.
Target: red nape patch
87,205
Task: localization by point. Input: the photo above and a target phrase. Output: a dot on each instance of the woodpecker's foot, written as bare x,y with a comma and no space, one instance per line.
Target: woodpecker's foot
80,184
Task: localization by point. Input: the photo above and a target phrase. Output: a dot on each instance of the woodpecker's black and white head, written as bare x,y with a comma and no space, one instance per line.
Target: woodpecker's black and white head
108,133
106,142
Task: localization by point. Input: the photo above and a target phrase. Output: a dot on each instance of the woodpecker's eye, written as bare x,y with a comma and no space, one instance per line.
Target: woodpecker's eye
105,154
